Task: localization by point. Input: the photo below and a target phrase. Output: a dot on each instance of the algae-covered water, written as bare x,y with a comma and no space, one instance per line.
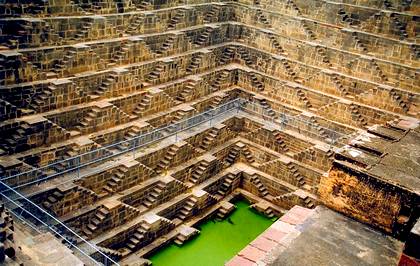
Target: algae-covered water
218,241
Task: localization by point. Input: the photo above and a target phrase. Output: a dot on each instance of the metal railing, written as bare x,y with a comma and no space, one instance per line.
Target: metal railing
295,123
30,212
74,164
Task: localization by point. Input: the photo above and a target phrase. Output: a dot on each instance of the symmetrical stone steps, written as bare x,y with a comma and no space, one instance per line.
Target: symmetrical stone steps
212,14
204,38
232,156
209,139
222,77
172,24
227,55
249,157
195,63
154,194
138,237
187,92
263,192
187,209
167,159
226,185
199,172
143,105
113,184
99,218
169,42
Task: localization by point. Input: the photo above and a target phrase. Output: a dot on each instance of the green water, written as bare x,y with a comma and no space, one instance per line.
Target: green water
218,241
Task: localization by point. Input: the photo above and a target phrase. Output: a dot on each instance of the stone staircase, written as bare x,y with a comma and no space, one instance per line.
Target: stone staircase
289,71
226,185
173,22
138,237
308,202
122,54
355,113
245,56
83,32
217,101
266,107
405,106
359,44
280,141
179,116
185,234
339,85
96,221
144,104
176,118
212,15
133,132
292,5
256,82
133,28
197,175
263,192
66,61
204,37
346,18
279,49
89,118
225,209
302,97
167,159
149,230
143,5
232,156
112,253
378,70
113,184
156,73
401,27
41,102
187,92
53,198
187,208
321,131
308,31
296,174
105,87
262,18
209,139
220,80
324,55
248,154
227,55
8,110
151,198
167,44
195,63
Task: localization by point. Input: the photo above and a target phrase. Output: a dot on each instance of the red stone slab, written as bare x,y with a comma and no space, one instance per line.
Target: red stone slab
283,227
240,261
274,234
263,243
296,215
251,253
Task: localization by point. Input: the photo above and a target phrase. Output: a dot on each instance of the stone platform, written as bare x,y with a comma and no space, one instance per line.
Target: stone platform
319,237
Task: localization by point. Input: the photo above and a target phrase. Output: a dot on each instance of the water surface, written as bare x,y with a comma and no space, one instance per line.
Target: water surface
218,241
